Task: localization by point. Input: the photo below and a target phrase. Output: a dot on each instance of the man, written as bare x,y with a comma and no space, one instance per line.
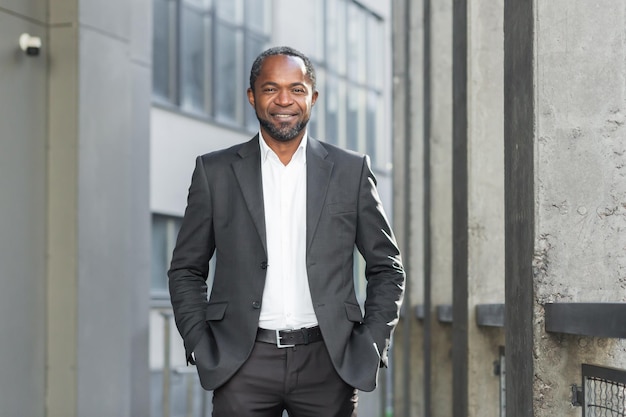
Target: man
282,329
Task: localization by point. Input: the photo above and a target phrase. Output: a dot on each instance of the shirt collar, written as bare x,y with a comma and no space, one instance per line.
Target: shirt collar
266,151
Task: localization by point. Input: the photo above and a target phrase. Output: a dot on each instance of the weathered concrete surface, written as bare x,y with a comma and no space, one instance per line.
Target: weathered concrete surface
441,202
580,184
485,199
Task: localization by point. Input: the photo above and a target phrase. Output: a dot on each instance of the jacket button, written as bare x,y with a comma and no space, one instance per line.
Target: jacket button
264,265
256,304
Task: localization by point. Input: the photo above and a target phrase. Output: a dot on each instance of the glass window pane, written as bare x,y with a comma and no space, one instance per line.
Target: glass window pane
193,49
164,232
372,122
159,253
257,15
356,38
332,110
375,40
254,46
230,10
336,36
229,91
161,51
318,53
316,124
352,119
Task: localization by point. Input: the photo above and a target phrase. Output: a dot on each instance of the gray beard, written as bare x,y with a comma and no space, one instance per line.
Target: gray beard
282,133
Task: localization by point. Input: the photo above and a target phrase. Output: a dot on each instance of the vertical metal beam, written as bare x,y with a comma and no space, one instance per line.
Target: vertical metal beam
459,211
519,203
427,101
408,137
167,366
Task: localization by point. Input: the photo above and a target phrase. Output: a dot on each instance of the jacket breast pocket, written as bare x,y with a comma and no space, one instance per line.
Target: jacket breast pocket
340,208
215,311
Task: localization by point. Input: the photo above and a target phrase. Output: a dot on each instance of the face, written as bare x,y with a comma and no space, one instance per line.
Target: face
282,98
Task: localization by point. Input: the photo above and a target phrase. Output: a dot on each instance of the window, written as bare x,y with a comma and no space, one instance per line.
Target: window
353,113
201,50
164,232
194,52
352,85
164,48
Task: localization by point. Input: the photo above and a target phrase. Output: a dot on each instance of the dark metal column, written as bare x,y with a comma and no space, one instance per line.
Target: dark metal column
427,103
519,203
459,211
408,126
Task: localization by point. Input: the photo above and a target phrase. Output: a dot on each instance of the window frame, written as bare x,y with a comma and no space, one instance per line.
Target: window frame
247,34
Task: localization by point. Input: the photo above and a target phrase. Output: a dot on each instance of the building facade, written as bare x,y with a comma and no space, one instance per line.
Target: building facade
75,228
510,149
101,118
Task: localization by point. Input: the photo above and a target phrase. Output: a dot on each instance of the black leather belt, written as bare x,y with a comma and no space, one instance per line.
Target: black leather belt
289,338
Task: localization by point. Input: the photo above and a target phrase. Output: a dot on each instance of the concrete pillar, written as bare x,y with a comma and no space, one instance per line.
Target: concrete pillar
98,208
565,153
23,81
408,209
438,226
485,200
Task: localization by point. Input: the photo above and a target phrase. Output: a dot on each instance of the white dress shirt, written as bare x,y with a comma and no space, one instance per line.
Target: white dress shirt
286,300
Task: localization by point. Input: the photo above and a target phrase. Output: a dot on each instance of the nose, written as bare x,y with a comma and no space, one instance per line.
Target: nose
283,98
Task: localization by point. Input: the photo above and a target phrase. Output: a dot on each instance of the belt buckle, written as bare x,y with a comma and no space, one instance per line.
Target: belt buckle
278,344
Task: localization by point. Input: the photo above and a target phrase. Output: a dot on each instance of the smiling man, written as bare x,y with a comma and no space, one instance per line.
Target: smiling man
283,212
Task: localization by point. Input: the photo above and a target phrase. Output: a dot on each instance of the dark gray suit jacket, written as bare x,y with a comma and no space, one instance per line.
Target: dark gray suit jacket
225,216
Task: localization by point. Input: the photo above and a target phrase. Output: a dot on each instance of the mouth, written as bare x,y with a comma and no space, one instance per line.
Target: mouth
283,116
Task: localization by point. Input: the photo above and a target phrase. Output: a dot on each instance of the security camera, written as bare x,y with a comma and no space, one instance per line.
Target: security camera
30,44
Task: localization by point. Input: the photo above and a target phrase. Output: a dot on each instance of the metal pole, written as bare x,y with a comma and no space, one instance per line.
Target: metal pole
408,134
190,381
427,193
204,402
167,315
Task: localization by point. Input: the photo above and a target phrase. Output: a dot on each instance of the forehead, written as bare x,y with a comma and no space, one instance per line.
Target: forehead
286,68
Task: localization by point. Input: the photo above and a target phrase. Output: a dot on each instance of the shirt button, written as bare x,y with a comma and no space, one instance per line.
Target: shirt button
264,265
256,304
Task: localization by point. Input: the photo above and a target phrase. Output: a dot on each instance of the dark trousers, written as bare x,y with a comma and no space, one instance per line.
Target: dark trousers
298,379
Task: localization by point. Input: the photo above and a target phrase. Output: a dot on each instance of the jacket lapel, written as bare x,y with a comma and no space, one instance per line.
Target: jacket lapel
318,178
248,173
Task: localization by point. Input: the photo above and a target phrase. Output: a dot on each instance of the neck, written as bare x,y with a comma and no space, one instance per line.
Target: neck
283,149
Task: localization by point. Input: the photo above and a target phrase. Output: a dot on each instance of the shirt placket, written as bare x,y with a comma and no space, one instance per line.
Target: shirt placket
286,243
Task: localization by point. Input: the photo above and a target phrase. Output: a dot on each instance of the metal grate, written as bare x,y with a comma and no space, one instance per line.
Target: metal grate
604,391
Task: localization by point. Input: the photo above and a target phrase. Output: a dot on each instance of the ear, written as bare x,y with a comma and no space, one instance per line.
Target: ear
251,96
314,98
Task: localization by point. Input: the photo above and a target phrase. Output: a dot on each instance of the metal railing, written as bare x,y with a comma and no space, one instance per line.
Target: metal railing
189,372
603,392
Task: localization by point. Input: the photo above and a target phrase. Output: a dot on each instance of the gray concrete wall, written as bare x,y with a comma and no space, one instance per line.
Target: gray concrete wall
565,94
23,82
485,199
580,184
98,237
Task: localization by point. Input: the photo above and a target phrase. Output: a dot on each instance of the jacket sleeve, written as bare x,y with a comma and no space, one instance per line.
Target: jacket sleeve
384,272
189,268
